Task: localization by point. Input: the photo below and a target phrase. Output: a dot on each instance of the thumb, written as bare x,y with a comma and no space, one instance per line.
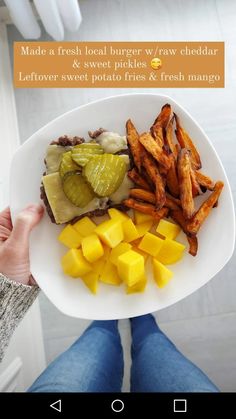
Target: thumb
25,221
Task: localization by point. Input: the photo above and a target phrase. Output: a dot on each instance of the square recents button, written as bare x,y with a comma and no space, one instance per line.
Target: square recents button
180,405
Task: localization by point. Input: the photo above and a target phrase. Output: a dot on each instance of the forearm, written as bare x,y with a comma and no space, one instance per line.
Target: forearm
15,300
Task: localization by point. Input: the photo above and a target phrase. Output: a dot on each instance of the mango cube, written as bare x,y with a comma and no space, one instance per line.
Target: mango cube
92,248
74,263
143,228
162,275
138,287
109,274
119,250
100,263
91,281
110,232
171,252
117,215
140,217
130,231
167,229
151,244
107,252
131,267
85,226
70,237
144,254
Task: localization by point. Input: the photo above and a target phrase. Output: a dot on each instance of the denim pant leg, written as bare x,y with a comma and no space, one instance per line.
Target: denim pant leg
158,366
94,363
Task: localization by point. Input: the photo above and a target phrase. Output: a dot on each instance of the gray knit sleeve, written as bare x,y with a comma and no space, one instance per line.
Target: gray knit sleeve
15,299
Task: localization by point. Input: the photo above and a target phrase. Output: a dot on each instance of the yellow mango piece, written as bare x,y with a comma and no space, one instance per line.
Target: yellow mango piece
144,254
109,274
110,232
140,217
85,226
70,237
107,252
74,263
92,248
131,267
151,244
138,287
100,263
117,215
167,229
171,252
143,228
119,250
91,281
130,231
161,274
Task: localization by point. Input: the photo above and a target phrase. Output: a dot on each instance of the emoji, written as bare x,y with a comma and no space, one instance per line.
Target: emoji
156,63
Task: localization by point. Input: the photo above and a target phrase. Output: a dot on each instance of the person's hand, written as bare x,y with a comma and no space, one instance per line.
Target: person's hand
14,243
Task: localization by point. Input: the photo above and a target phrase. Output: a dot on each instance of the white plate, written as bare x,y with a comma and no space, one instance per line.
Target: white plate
216,238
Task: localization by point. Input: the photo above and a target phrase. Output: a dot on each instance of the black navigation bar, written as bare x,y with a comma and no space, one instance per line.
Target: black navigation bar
124,405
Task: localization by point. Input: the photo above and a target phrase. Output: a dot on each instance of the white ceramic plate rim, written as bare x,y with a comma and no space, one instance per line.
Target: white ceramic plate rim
172,299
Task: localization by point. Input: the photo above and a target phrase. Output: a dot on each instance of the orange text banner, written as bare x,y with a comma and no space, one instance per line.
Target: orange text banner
119,64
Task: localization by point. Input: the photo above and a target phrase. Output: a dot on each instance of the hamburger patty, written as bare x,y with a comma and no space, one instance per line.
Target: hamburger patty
66,141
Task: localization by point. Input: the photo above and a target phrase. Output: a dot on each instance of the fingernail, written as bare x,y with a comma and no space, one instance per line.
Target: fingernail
35,208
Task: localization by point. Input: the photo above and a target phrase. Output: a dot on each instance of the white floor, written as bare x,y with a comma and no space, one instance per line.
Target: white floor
203,325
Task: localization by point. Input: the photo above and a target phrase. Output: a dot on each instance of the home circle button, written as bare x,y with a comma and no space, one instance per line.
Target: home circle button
117,405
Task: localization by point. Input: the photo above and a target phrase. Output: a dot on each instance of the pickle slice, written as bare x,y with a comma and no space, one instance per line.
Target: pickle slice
82,153
67,164
77,190
105,173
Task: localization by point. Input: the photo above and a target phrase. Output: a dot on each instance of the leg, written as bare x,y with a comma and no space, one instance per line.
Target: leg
94,363
158,366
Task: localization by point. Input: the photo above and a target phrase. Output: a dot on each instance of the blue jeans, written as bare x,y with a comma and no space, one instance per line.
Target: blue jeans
94,363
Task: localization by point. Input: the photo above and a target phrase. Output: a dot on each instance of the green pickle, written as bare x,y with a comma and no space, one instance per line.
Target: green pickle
77,189
67,164
105,173
82,153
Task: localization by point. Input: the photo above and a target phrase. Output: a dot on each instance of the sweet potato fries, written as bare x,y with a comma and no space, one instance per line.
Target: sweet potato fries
166,175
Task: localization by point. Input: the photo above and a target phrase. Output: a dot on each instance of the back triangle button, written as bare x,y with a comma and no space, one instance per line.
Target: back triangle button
56,405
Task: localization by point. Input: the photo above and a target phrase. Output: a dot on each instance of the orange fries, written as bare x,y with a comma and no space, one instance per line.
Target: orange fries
138,179
193,245
186,142
172,178
204,210
185,184
166,175
153,172
143,195
155,149
146,208
134,143
160,123
204,181
169,141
